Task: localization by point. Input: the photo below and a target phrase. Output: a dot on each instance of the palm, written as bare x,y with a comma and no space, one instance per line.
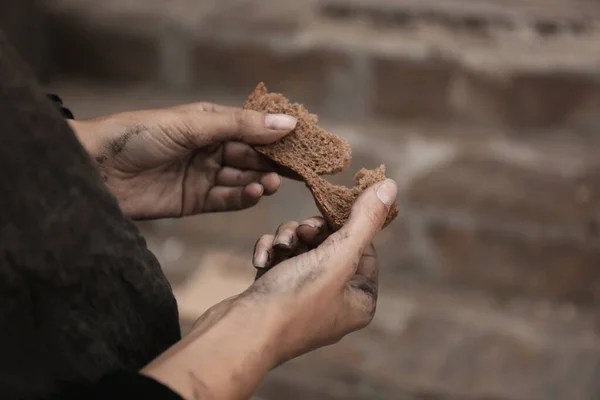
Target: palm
154,174
186,159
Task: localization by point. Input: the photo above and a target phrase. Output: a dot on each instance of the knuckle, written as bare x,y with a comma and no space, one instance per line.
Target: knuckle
194,107
243,119
203,106
238,117
240,177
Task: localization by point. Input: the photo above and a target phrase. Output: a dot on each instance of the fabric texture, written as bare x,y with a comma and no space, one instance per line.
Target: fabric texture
120,385
81,296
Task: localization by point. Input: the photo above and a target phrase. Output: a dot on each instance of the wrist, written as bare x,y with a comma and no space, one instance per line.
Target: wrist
88,135
226,356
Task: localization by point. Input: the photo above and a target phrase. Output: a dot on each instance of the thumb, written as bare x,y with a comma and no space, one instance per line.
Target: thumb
247,126
368,214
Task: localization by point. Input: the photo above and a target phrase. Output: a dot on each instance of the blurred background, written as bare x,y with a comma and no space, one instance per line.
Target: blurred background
486,112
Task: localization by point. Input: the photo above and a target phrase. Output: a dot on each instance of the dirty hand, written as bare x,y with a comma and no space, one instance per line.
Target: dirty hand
184,160
324,284
313,287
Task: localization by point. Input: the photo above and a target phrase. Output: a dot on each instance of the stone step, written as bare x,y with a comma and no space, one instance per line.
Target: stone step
516,78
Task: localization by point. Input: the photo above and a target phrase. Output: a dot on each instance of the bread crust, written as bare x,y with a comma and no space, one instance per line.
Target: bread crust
312,152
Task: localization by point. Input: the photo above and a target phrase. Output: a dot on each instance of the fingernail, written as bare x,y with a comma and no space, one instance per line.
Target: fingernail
261,258
313,225
386,192
280,122
284,239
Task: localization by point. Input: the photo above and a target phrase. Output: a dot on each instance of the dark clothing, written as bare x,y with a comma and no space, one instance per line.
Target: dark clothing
122,386
129,386
81,296
57,101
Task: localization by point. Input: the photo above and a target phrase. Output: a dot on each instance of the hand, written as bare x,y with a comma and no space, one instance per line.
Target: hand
185,160
324,283
313,288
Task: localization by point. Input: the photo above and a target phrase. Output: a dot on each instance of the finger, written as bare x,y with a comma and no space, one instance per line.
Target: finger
313,231
262,254
232,177
368,214
222,198
209,107
243,125
271,183
277,256
286,243
243,156
285,237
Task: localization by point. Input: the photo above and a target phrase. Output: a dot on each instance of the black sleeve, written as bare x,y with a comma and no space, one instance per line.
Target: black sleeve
128,386
81,296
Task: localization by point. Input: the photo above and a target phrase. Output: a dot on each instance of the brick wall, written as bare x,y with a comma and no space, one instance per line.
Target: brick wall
415,68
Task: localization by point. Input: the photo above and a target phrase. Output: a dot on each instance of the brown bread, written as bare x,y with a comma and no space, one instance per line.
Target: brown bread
308,148
310,152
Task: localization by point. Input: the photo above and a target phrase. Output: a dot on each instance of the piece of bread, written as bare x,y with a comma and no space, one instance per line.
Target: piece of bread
308,147
311,152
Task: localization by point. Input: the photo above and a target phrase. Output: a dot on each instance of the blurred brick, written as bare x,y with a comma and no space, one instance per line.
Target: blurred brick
255,16
297,50
503,190
273,389
397,250
303,75
82,48
507,263
535,98
463,357
412,88
438,348
276,388
470,16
